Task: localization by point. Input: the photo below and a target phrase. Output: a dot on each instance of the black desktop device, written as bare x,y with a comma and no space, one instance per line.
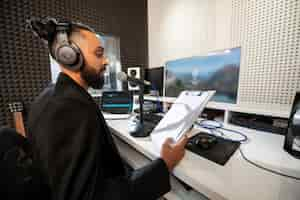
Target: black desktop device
213,148
292,138
274,125
156,77
117,102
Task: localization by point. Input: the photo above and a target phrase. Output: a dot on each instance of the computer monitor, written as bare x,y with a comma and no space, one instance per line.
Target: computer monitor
155,76
216,71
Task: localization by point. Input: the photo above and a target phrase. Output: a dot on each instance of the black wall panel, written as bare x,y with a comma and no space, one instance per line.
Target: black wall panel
24,61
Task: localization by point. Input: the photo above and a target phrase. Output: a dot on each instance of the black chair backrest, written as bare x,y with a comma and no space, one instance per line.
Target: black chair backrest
19,178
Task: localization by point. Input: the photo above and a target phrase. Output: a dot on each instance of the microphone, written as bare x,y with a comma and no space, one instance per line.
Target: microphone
122,76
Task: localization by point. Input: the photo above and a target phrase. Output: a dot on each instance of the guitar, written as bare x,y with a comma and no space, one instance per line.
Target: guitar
16,108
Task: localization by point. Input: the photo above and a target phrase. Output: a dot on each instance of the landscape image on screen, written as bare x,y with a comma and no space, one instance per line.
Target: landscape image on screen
218,71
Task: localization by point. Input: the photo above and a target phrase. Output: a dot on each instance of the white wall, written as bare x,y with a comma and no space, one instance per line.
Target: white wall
267,31
181,28
223,24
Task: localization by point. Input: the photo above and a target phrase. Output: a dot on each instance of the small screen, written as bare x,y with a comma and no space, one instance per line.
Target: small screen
117,102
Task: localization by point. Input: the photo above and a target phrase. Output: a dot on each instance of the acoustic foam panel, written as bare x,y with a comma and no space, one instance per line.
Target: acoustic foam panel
24,59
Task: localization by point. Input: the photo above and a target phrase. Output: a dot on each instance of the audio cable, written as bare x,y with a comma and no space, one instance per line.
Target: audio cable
217,127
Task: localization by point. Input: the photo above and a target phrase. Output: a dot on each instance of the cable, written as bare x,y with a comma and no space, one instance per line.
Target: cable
158,107
207,124
212,132
245,138
267,169
212,128
158,103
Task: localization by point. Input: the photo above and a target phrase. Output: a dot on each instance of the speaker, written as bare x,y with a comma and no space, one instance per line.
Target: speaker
292,138
134,72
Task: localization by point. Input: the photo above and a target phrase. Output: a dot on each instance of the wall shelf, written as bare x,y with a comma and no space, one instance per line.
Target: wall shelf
225,112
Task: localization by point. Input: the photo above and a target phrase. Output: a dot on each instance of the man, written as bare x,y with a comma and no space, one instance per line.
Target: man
73,145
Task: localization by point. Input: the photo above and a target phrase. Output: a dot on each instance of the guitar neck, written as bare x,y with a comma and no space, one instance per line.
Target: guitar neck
17,108
19,123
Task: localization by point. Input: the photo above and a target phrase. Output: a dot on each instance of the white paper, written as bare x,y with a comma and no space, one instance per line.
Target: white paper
180,118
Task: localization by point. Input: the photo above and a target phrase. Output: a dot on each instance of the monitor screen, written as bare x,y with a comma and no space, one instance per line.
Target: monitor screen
217,71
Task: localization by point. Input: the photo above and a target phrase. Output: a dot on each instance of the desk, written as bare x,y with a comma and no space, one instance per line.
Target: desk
237,180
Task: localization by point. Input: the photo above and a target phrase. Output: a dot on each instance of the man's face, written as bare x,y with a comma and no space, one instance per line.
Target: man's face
94,60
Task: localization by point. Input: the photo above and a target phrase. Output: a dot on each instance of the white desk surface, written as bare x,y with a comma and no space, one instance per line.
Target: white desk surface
238,179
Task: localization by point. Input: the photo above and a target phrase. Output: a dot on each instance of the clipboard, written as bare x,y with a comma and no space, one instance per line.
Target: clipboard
181,116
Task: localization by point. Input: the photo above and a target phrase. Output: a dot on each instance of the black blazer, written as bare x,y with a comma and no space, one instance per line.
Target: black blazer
76,152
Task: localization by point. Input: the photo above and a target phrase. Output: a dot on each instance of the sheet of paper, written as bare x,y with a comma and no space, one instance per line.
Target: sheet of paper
181,116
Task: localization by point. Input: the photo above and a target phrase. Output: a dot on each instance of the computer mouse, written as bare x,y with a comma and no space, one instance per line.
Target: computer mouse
205,141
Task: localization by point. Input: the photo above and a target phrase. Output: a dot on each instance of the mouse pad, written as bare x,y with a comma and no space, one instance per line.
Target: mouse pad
219,153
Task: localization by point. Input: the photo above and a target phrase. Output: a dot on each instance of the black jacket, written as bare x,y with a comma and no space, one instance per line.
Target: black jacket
76,152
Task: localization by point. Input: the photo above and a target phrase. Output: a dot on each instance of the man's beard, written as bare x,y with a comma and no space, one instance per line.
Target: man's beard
92,78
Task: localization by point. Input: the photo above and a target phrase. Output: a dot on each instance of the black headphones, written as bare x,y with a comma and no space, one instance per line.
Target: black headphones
56,35
64,51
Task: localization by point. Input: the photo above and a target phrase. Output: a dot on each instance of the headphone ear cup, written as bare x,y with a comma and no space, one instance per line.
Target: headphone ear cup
70,56
66,52
66,55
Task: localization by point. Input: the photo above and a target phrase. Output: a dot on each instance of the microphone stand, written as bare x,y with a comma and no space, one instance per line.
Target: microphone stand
139,131
141,101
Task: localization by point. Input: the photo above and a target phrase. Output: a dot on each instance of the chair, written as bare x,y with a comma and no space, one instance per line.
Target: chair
19,177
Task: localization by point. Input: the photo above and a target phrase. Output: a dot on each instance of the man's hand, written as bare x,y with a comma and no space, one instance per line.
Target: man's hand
172,152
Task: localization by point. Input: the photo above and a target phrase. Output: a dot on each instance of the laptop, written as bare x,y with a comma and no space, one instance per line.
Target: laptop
116,104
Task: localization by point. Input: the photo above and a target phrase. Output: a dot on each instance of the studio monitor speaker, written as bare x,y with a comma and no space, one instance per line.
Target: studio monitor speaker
134,72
